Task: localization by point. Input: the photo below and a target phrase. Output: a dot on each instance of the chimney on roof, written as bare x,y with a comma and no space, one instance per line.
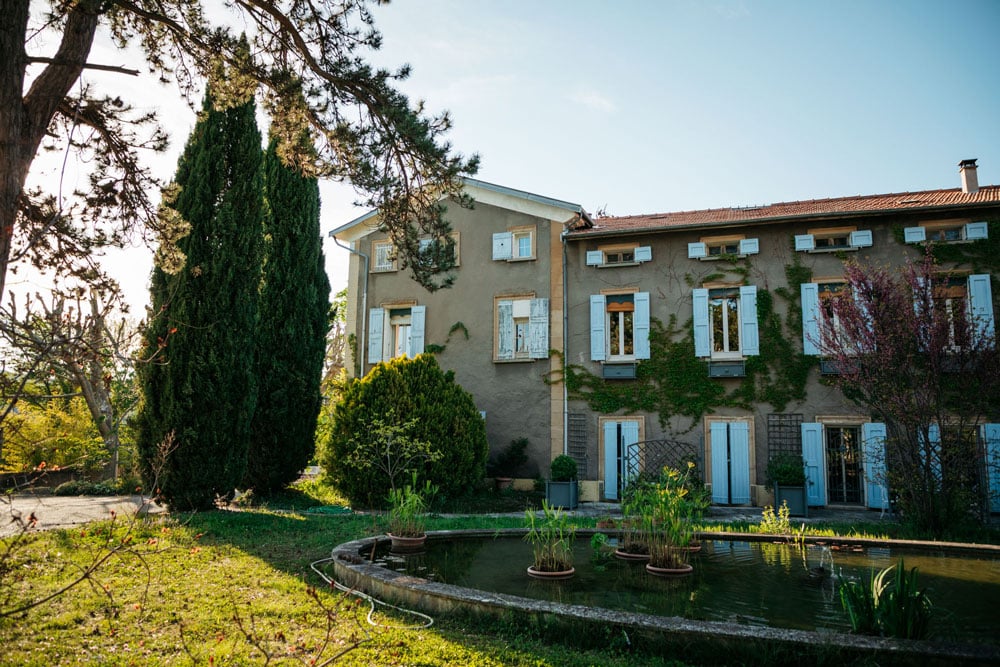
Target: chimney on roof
970,182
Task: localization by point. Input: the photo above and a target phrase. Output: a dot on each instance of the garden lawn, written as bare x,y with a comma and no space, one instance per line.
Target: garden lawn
191,590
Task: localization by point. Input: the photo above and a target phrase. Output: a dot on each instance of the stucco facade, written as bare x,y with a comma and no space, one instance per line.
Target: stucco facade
705,271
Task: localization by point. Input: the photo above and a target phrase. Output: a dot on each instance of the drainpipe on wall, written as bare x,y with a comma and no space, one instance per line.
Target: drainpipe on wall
565,311
364,303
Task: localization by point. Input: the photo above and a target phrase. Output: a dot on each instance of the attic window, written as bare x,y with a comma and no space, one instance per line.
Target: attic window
947,232
716,247
619,255
833,239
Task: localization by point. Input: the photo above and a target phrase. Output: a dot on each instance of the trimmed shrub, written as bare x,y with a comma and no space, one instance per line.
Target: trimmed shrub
415,398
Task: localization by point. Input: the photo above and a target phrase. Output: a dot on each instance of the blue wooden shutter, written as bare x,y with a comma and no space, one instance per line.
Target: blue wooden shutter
749,246
914,234
719,439
748,320
739,462
981,309
699,301
861,238
376,322
503,243
630,451
643,253
934,436
505,330
810,318
804,242
975,231
538,329
873,452
417,323
812,453
611,460
697,250
640,325
597,345
991,439
595,258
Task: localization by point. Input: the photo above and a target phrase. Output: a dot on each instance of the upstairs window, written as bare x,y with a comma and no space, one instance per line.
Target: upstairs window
725,322
383,257
427,249
394,331
619,326
522,328
716,247
833,239
619,255
516,244
947,232
817,308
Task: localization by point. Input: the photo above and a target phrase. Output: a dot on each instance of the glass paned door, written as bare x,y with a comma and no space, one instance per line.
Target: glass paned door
843,464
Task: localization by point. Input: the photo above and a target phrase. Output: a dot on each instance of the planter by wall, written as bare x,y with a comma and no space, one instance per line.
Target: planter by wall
563,494
795,496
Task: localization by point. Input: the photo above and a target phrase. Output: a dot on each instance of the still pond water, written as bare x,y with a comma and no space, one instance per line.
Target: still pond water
756,583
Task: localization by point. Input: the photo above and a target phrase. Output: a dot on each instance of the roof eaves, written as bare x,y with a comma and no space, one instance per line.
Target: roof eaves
548,201
357,221
596,232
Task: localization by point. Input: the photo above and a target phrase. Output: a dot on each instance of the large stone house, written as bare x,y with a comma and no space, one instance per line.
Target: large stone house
629,342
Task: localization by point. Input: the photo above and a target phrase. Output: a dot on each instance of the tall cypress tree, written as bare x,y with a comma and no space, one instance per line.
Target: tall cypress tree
291,337
199,389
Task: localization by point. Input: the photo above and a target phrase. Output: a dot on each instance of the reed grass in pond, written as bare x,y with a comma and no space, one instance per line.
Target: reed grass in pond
757,583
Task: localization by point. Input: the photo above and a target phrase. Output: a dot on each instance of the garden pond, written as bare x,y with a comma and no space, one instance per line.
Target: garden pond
771,584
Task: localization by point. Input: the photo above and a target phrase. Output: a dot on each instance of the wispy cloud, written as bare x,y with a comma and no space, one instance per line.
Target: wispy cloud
731,9
594,100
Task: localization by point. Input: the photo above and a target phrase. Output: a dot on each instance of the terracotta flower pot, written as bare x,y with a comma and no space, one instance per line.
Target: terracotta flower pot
627,555
404,544
552,576
679,571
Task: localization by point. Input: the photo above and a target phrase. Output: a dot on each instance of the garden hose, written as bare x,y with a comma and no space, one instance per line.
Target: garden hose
428,621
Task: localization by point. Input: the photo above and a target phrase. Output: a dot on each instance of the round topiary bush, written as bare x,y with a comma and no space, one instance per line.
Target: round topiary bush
563,468
406,415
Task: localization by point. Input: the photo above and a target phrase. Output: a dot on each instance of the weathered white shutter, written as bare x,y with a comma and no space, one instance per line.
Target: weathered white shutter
640,325
417,324
981,308
975,231
810,318
739,462
697,250
804,242
749,246
376,323
538,329
812,454
505,330
699,302
643,253
718,434
748,320
873,452
861,238
914,234
991,439
503,243
611,460
595,258
597,345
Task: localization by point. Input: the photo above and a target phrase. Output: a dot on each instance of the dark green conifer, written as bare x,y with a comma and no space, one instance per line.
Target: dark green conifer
199,388
291,337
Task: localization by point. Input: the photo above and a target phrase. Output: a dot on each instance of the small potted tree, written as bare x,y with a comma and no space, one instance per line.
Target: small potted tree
786,473
562,489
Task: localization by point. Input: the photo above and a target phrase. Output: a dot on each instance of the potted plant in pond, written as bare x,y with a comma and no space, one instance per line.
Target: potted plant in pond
551,537
407,515
670,525
562,489
786,473
637,518
503,468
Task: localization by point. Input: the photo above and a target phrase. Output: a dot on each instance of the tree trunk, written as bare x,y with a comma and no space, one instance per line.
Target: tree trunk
24,120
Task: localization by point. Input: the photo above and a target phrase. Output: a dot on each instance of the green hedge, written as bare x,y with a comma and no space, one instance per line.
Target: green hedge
440,412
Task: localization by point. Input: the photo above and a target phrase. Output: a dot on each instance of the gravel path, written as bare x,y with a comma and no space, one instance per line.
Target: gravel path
67,511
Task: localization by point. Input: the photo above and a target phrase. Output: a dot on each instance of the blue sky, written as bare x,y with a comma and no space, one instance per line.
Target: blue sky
643,107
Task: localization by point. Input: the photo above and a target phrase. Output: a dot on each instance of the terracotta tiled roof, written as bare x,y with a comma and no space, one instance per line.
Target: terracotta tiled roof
814,208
